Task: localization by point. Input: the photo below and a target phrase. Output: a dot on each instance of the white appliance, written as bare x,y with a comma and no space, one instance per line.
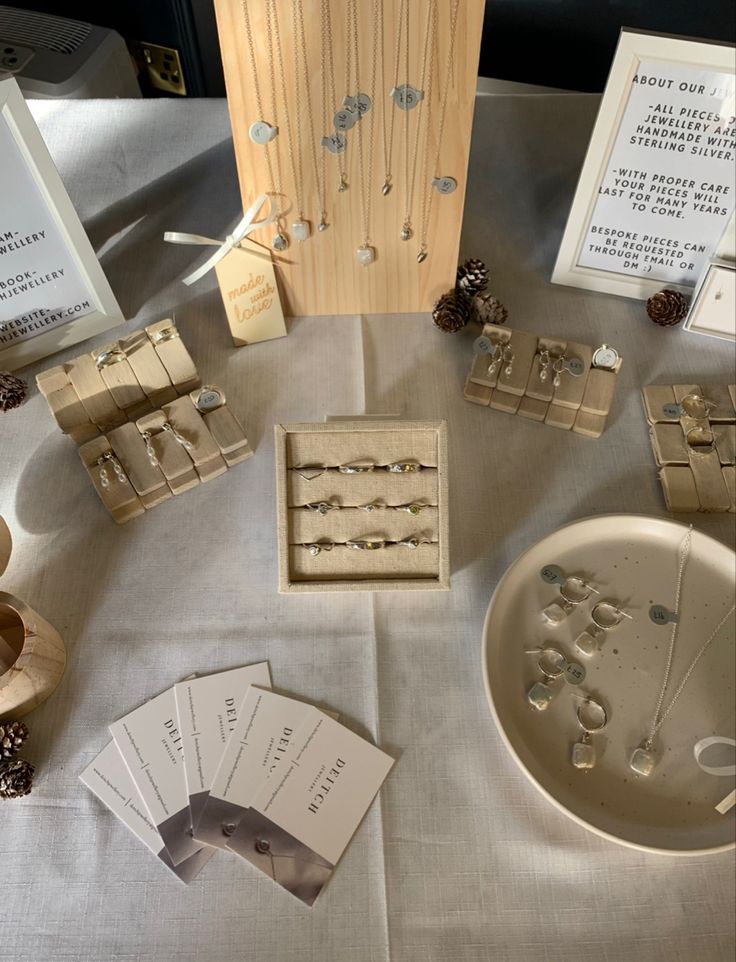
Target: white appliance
56,58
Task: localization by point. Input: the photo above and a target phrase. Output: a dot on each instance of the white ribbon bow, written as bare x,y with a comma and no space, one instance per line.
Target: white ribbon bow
245,227
730,800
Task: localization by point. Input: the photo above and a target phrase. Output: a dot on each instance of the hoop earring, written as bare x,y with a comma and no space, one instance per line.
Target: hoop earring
605,617
552,664
592,718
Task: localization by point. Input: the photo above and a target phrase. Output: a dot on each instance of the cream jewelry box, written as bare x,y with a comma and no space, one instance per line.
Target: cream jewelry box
362,506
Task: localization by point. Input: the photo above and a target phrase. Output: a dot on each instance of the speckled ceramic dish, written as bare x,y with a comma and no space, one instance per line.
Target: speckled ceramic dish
632,560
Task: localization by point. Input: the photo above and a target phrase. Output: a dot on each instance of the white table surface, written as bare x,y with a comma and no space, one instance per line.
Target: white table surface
460,858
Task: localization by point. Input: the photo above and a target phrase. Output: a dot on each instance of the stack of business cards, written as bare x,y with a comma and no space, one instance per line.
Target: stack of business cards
221,761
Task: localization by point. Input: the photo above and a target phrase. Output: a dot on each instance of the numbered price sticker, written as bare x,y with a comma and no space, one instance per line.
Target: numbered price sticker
673,410
662,616
574,673
553,575
575,366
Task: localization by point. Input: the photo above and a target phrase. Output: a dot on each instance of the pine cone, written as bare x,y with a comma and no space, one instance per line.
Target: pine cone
451,312
16,778
12,736
667,307
487,309
472,277
12,391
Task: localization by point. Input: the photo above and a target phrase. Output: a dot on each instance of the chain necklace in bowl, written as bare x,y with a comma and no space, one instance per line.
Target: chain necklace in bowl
643,759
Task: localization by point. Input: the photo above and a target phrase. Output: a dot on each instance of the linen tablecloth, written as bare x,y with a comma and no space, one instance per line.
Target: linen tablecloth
460,858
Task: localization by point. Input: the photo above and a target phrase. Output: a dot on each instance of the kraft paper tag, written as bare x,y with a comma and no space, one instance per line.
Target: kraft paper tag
250,294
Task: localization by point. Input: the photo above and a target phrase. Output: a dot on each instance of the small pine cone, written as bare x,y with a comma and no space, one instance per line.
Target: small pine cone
12,391
487,309
667,307
451,312
12,736
472,277
16,778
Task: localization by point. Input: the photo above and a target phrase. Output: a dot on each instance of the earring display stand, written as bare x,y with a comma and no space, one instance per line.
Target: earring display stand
138,456
580,403
406,517
696,455
321,275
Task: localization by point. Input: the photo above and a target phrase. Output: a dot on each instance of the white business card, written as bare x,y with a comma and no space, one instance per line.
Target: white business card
109,779
302,818
262,736
150,743
207,709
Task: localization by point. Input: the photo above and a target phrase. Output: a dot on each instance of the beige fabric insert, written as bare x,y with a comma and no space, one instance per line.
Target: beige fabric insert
353,524
381,447
347,564
360,489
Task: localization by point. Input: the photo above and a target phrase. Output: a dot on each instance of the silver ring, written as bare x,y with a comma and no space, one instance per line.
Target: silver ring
411,508
370,545
166,334
308,472
315,547
706,446
356,467
555,665
697,406
403,467
371,506
114,356
322,507
412,543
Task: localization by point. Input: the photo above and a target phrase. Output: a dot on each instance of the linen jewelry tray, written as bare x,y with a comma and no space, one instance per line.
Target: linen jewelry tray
145,426
362,506
562,383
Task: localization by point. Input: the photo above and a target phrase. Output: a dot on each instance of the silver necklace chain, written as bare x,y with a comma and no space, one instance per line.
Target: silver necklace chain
427,186
426,86
328,87
300,42
365,175
295,158
660,715
273,188
388,146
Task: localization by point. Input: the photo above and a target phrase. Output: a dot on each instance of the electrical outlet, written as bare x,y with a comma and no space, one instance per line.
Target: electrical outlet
162,66
13,57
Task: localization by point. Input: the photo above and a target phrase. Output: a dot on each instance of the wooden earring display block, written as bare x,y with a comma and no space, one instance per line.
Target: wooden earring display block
321,275
321,509
693,434
580,403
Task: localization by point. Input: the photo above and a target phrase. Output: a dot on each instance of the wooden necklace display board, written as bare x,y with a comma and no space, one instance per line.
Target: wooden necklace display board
306,56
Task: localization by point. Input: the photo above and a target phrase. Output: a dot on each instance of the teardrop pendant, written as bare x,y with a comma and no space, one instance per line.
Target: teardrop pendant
343,185
280,242
323,225
386,189
422,255
406,232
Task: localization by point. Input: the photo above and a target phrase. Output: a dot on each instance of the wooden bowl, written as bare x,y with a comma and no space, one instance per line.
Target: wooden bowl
32,657
6,545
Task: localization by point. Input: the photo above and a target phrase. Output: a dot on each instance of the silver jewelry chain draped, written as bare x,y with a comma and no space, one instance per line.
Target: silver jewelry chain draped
659,715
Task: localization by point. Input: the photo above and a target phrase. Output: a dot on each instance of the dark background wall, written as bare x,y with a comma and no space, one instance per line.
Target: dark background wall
556,43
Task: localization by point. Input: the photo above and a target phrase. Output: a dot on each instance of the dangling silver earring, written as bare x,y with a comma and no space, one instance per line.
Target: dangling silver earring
573,592
149,449
552,664
592,718
605,617
544,362
508,359
558,366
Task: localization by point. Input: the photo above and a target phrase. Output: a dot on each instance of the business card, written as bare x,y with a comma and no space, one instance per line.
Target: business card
301,819
108,778
149,741
262,736
207,709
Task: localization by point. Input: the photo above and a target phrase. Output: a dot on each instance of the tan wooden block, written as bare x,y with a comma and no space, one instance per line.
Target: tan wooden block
709,482
543,389
175,463
93,392
589,425
656,397
226,430
130,449
187,421
724,407
69,411
477,393
173,354
729,477
678,486
85,432
235,457
669,445
524,346
570,392
532,408
725,438
148,368
55,379
560,417
138,410
119,376
119,497
732,392
598,393
502,401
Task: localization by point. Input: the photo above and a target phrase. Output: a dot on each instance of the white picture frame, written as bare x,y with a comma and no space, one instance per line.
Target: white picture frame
67,230
713,307
634,49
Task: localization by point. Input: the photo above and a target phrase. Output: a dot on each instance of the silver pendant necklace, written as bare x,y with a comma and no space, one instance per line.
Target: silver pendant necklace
644,759
301,228
365,254
335,142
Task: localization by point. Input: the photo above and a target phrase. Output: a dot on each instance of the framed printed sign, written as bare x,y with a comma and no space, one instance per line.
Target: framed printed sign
657,187
53,292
